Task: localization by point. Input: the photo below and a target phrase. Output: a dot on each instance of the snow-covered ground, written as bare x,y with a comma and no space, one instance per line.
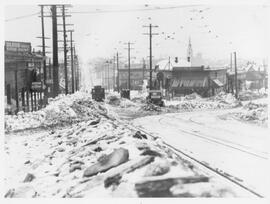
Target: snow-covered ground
236,148
98,156
76,147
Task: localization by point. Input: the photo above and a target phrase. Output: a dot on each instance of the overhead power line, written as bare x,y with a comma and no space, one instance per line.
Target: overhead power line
107,11
130,10
21,17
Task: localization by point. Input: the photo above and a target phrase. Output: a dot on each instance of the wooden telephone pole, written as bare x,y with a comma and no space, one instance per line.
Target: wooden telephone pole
117,65
44,56
129,48
65,49
150,50
235,76
72,65
55,51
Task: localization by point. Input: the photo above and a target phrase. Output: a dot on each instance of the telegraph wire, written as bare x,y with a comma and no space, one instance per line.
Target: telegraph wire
106,11
21,17
130,10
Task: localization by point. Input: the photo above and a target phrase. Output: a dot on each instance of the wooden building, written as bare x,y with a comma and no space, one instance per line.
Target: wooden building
138,73
204,81
22,68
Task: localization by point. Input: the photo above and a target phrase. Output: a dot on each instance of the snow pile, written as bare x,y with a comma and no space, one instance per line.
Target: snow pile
138,97
62,109
139,100
226,98
197,105
138,94
115,100
125,103
150,107
251,94
193,96
254,112
98,158
196,102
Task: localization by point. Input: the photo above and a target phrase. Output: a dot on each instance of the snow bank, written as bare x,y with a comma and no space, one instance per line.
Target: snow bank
254,112
251,94
115,100
251,112
62,109
98,158
196,102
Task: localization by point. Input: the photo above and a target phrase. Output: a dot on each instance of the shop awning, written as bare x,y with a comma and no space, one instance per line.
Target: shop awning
217,83
189,83
175,83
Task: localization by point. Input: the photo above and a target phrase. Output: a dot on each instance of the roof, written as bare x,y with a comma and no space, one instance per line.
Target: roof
253,76
253,67
169,65
217,83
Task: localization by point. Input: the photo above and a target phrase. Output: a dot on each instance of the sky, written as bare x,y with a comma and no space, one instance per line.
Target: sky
101,30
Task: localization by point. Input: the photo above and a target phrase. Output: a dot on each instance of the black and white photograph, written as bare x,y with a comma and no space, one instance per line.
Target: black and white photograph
138,100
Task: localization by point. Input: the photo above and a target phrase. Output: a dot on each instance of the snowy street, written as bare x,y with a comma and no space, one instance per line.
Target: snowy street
136,100
221,144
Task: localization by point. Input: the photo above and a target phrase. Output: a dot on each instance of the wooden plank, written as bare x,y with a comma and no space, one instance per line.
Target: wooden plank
23,98
35,100
8,93
27,100
16,91
32,102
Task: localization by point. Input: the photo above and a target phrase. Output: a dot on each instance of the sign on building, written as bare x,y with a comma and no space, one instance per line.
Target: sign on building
49,81
17,46
37,85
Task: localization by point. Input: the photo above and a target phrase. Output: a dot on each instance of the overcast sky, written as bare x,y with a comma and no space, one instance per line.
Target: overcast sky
215,31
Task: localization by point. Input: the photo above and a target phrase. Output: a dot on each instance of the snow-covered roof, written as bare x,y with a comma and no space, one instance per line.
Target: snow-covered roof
166,65
253,67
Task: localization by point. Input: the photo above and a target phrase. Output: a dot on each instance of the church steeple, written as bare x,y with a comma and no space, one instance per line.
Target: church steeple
189,51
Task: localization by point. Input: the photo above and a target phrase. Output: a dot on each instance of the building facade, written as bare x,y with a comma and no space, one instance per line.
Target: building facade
138,73
22,68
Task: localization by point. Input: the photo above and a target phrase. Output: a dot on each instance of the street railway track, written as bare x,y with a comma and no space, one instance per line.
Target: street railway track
219,141
200,164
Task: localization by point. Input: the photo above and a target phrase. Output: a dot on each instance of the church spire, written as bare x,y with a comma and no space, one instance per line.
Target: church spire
189,51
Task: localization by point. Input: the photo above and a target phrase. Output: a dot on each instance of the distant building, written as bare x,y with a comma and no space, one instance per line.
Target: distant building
138,73
204,81
256,76
180,78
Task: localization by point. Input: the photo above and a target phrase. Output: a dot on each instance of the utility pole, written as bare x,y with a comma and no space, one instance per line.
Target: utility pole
143,68
16,88
76,69
113,72
44,56
55,51
65,49
72,68
231,61
235,76
129,65
117,65
129,48
108,76
150,50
